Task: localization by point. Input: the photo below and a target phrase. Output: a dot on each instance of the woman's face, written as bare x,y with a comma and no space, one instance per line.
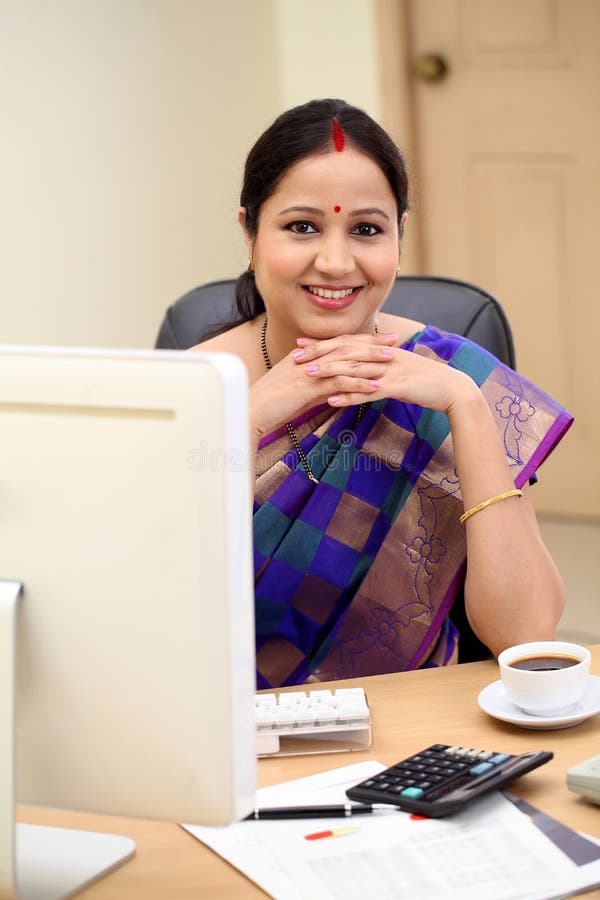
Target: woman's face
326,251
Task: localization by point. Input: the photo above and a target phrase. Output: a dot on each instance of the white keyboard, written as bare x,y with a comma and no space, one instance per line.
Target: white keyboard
314,721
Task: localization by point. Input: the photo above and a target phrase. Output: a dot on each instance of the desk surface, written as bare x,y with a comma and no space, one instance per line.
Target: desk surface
410,711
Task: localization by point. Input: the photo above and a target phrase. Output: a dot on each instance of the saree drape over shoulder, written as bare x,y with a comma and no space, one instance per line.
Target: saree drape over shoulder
357,575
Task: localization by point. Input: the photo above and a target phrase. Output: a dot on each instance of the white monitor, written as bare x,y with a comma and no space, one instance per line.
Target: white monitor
125,513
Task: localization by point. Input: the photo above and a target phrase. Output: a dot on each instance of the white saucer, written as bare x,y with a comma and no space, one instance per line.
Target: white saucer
494,702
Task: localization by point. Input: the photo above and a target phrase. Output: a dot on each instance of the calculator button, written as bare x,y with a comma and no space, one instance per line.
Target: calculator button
480,768
499,758
412,792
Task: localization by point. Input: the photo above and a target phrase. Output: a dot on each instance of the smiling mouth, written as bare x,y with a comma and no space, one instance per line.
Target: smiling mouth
330,294
332,298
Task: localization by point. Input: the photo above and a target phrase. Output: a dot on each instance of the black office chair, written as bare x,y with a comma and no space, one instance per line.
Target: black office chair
452,305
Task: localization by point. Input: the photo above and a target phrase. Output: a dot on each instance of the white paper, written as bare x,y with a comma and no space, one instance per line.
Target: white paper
490,846
248,845
488,850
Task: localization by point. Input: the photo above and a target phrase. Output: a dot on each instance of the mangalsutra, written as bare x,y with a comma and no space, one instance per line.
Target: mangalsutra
290,428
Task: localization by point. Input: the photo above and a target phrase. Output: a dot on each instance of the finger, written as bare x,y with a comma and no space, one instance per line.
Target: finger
360,347
304,341
354,398
347,385
383,337
351,367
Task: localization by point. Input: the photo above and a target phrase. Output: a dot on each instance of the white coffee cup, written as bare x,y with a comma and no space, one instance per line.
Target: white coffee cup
545,690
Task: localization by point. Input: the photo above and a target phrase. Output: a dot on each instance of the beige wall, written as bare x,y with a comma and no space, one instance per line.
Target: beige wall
328,49
125,124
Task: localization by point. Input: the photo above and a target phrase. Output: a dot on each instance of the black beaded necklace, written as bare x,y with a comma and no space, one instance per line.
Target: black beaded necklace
290,428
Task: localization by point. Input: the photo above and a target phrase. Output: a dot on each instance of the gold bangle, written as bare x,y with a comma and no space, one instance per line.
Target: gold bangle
475,509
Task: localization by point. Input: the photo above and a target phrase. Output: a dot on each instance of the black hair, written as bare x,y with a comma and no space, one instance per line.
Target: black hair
300,132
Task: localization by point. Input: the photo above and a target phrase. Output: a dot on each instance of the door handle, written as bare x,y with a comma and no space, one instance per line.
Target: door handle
431,67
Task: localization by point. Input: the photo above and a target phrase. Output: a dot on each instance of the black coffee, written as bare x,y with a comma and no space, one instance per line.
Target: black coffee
544,663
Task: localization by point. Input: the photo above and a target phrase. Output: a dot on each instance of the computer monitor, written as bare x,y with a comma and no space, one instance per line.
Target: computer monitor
125,514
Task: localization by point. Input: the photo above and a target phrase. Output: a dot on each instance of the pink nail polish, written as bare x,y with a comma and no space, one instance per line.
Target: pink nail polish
311,369
335,399
388,351
298,354
302,341
375,384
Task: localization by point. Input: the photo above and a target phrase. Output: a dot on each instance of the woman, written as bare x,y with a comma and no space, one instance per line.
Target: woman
371,434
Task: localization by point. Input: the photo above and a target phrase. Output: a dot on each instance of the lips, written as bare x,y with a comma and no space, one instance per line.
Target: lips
330,297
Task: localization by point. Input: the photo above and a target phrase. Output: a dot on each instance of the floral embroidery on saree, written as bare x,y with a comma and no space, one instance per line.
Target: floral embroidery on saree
357,575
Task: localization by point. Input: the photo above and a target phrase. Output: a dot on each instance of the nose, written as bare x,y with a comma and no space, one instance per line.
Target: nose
334,256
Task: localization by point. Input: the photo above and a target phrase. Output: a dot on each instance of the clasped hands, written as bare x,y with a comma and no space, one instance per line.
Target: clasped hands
349,370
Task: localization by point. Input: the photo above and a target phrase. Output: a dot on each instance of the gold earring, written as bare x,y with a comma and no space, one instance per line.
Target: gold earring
250,265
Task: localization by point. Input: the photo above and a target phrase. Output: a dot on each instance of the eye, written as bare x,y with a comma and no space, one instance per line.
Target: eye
365,229
301,228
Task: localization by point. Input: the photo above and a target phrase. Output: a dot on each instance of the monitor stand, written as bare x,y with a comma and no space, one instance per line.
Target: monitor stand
38,862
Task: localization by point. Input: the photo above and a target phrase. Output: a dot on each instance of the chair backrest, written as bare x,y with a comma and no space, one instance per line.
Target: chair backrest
452,305
455,306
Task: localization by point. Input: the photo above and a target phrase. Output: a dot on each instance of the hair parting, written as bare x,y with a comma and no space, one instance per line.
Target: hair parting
339,139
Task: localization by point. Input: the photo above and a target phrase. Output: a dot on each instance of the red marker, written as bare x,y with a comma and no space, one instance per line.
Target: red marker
331,832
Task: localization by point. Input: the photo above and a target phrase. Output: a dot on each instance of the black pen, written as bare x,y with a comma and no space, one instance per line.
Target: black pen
340,810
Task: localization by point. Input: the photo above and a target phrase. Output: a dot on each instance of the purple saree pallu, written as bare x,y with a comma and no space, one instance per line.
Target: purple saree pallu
357,575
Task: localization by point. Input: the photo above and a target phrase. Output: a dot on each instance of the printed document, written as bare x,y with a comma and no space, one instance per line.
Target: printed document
391,855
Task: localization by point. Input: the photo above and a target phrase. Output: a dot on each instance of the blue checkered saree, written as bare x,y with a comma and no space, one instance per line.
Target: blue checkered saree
357,575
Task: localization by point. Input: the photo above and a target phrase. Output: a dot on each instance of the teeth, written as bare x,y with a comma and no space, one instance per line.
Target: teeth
330,295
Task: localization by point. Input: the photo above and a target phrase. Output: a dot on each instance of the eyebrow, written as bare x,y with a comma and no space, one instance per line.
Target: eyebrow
315,211
370,211
312,210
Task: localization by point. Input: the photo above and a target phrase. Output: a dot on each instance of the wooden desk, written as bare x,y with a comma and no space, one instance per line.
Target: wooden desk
410,711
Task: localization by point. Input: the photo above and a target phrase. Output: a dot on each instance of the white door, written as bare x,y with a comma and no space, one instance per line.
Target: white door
505,155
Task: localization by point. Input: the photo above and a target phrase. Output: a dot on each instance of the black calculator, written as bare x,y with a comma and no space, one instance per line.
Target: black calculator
442,779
